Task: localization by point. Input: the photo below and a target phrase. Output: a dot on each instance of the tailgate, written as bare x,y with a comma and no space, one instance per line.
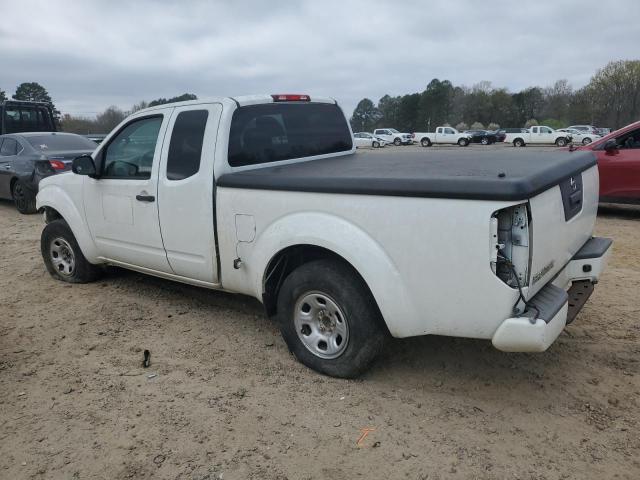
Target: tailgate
562,220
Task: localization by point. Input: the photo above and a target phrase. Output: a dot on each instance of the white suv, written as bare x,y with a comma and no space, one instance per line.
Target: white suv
391,135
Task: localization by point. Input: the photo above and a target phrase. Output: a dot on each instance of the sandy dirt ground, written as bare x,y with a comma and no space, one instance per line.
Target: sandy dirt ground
228,401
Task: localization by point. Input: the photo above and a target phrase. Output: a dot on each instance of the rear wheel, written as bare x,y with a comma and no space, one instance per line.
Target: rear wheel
518,142
485,141
397,142
62,255
23,198
561,142
425,142
463,142
329,319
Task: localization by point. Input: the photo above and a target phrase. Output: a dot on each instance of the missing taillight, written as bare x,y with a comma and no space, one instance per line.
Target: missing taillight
510,245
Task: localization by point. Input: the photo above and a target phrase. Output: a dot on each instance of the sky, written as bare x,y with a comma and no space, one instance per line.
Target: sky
90,54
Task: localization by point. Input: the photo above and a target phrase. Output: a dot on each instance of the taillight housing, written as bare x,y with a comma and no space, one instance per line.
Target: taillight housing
290,97
57,164
509,252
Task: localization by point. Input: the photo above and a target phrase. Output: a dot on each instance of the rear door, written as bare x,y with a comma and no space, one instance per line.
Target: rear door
120,206
186,192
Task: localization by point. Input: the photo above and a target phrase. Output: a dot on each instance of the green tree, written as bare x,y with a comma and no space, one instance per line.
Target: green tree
180,98
365,116
434,104
32,91
390,109
3,95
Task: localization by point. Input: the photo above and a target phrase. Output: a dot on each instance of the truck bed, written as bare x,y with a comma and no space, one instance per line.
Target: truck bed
516,174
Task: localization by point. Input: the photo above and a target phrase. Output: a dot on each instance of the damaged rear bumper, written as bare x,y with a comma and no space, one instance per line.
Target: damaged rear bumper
557,304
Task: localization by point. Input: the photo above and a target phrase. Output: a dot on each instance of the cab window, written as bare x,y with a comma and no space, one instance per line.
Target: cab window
130,154
185,148
630,140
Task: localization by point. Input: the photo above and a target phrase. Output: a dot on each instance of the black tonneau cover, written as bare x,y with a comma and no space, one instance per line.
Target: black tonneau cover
512,174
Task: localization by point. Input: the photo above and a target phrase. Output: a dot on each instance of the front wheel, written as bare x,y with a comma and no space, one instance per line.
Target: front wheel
23,198
425,142
586,141
62,255
375,144
397,142
561,142
463,142
329,319
484,141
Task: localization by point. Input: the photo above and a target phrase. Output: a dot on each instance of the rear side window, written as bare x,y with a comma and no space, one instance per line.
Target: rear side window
282,131
185,148
9,147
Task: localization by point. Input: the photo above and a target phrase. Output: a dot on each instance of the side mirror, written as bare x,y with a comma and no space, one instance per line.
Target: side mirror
83,165
610,145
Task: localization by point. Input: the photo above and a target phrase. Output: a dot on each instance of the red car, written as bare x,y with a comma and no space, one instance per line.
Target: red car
618,155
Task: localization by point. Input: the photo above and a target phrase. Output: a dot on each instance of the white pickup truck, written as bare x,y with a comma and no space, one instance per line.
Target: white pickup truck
539,135
442,136
263,195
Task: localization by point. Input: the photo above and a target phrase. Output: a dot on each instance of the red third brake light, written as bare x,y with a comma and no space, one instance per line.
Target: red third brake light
288,97
57,164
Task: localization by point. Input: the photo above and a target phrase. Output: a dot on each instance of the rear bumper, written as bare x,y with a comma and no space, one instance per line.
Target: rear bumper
557,304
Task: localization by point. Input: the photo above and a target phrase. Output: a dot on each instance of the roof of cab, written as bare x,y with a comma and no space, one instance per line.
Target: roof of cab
240,101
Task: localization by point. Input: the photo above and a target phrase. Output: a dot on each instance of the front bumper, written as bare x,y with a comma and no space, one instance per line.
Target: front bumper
557,304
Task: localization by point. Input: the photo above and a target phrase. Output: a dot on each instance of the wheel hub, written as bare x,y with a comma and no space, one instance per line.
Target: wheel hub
321,325
62,256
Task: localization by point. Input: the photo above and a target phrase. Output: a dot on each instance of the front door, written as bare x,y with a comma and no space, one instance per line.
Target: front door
186,193
121,204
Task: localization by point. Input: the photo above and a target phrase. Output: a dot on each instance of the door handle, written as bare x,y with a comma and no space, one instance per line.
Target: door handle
145,198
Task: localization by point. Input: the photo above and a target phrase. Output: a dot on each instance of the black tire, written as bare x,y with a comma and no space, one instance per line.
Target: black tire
586,141
375,144
338,282
397,142
485,141
58,236
23,198
425,142
518,142
561,142
463,142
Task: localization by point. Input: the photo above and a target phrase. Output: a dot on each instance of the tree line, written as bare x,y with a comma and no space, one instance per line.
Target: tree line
610,99
104,122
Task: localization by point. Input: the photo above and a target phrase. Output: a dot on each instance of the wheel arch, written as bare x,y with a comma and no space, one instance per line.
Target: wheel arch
356,249
55,203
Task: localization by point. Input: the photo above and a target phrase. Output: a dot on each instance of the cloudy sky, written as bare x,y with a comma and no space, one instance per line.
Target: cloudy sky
91,54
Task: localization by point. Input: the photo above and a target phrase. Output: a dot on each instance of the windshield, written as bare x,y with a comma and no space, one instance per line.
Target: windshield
44,143
393,130
281,131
